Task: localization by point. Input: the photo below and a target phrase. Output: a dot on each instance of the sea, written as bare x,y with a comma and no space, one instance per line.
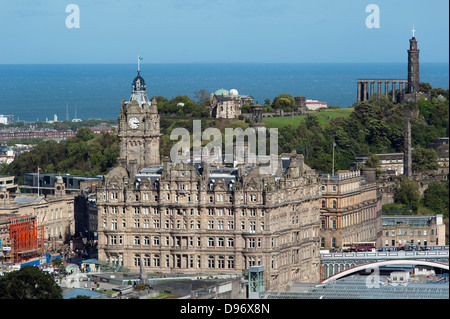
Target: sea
38,92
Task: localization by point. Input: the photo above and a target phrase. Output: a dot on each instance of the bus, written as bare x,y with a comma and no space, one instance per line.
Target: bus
362,246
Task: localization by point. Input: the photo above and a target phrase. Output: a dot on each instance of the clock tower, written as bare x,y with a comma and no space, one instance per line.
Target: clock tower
139,130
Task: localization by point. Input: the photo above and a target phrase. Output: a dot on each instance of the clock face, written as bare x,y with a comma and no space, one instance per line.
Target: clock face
133,122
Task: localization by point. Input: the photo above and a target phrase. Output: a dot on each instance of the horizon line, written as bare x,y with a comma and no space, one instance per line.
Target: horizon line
216,62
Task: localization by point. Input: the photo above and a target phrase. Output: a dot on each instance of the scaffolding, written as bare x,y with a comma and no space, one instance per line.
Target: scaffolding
26,238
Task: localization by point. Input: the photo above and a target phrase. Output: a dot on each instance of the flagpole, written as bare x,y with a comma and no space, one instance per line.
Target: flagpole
334,145
38,180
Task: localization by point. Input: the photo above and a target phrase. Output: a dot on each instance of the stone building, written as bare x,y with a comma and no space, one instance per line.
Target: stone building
198,218
227,104
390,163
350,210
413,93
412,230
55,213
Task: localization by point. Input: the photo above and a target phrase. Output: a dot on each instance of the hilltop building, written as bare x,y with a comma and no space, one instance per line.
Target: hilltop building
198,218
410,93
227,104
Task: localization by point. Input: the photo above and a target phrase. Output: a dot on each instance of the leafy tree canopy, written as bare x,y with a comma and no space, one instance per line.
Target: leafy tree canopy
29,283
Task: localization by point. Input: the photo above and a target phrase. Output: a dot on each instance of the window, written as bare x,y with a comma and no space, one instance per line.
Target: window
230,242
333,242
137,260
220,242
211,263
323,204
210,242
322,242
221,262
252,228
137,240
334,204
334,224
156,261
322,224
156,240
230,263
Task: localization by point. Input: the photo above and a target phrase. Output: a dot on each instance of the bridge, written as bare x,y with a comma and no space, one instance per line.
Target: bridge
334,263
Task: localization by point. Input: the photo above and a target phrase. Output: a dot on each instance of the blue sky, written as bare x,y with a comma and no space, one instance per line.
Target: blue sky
174,31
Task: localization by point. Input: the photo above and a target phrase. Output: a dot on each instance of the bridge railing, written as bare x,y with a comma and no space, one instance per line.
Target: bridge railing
385,254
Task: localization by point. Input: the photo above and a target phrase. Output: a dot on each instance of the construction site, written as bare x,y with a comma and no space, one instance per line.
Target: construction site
21,239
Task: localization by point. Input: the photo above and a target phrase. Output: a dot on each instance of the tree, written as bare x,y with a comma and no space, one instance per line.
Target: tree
29,283
408,194
436,197
283,96
284,104
203,96
312,121
424,159
372,161
85,134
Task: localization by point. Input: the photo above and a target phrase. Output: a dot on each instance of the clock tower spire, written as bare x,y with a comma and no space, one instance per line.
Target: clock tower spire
139,130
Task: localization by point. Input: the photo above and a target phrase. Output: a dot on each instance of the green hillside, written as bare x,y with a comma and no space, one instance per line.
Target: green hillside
324,117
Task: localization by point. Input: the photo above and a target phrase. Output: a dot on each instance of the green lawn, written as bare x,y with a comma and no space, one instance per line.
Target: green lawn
324,117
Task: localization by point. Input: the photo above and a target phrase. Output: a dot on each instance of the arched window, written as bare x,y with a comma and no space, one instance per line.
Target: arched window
333,242
137,260
211,242
334,204
221,262
156,261
211,262
230,262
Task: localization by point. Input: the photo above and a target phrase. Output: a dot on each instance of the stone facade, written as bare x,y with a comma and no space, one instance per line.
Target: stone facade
412,230
54,213
227,104
350,210
183,218
139,130
413,93
197,218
